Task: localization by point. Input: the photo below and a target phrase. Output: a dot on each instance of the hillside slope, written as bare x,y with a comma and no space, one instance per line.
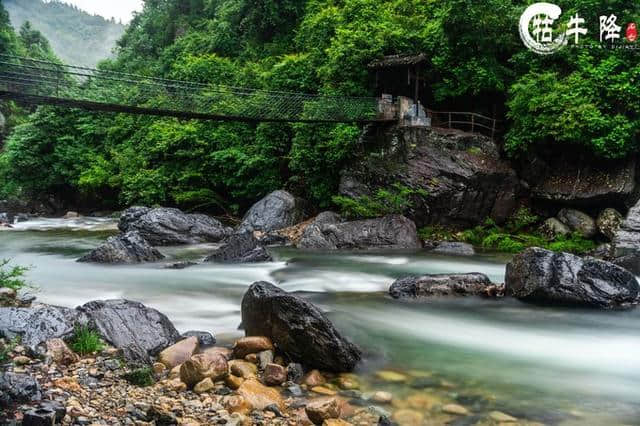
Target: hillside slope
77,37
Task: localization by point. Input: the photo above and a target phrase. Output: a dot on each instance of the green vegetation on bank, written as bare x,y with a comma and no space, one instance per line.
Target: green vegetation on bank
520,232
394,200
142,376
578,100
86,341
12,276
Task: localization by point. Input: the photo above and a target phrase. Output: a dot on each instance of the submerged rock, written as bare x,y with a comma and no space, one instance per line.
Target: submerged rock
168,226
240,248
389,232
205,339
474,284
578,221
35,325
124,248
454,248
138,330
542,276
277,210
296,328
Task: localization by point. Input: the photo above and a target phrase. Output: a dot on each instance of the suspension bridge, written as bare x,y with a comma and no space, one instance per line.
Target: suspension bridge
47,83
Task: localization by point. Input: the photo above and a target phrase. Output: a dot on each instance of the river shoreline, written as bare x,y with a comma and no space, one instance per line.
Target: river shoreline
351,287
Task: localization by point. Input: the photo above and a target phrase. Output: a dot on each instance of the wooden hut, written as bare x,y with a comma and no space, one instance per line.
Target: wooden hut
400,75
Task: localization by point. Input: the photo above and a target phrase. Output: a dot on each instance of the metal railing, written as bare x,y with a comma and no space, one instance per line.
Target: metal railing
466,121
45,82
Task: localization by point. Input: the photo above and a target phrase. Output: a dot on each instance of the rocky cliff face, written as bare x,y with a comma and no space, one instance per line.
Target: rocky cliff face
463,175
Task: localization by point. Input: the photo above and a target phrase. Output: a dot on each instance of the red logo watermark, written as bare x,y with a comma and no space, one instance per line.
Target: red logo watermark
632,32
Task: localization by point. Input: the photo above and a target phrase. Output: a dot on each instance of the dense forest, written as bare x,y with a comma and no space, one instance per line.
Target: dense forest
77,37
584,100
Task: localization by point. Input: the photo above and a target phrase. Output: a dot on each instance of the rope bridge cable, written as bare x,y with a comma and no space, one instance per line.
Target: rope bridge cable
42,82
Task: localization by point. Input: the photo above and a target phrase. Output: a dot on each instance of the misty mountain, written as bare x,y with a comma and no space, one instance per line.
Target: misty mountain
76,37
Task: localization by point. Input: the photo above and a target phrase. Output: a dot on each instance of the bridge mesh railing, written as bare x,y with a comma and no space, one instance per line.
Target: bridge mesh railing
40,79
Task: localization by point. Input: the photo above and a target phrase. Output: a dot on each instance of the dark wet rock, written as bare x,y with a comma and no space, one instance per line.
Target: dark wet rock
124,248
180,265
37,324
574,181
39,417
410,288
542,276
454,248
578,221
167,226
552,228
205,339
277,210
5,218
297,328
461,177
131,326
295,372
385,421
608,222
18,389
57,407
22,217
389,232
240,248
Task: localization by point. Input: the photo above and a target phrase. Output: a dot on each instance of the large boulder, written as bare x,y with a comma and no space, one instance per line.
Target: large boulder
277,210
461,178
138,330
579,222
37,324
124,248
545,277
575,181
296,328
167,226
389,232
240,248
552,228
410,288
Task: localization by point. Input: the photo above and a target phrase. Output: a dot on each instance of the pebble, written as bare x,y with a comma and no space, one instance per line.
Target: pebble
22,360
323,390
382,397
391,376
499,416
456,409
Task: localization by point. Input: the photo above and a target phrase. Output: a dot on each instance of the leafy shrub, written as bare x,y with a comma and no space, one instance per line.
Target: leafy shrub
140,376
86,341
437,233
5,349
12,277
395,200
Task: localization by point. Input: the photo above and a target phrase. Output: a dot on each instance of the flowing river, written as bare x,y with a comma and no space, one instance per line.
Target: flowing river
546,365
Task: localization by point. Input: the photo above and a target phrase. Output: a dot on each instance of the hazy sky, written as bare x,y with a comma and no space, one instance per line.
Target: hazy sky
119,9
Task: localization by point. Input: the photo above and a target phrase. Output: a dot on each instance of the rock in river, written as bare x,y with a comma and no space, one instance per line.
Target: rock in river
277,210
240,248
167,226
389,232
124,248
38,324
296,328
454,248
138,330
473,284
542,276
